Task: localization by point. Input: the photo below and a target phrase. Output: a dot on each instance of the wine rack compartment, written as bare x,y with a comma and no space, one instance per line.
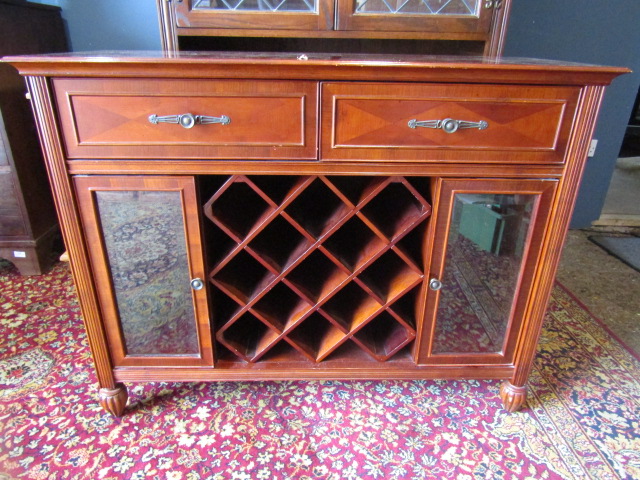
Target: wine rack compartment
305,264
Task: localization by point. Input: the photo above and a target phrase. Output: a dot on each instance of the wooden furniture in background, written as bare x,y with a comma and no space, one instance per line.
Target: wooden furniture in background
452,27
255,217
28,224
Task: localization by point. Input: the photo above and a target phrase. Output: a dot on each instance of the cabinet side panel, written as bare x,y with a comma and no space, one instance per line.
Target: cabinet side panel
561,211
70,225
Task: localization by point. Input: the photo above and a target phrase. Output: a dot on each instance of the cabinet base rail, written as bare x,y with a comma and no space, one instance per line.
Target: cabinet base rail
114,400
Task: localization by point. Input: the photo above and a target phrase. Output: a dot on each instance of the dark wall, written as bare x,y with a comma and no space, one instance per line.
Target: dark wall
110,24
589,31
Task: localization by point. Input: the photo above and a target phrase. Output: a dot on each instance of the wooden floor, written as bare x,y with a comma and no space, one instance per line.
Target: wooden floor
622,205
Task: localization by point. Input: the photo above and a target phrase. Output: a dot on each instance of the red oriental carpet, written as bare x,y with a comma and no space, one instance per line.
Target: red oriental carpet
582,419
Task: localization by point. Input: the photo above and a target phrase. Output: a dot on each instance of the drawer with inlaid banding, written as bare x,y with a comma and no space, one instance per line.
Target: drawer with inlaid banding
158,118
463,123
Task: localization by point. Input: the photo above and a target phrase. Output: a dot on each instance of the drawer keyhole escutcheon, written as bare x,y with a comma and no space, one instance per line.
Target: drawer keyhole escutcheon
188,120
197,284
449,125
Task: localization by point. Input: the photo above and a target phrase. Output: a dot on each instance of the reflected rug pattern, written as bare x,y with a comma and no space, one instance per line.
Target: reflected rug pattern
581,421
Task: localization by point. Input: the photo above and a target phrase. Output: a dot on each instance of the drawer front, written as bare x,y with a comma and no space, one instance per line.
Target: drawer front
4,155
111,118
462,123
11,221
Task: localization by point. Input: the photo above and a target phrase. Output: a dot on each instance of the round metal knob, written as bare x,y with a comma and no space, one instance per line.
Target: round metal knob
197,284
435,284
187,120
450,125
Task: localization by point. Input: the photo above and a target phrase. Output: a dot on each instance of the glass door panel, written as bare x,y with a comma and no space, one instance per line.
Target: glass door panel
144,241
484,256
257,5
488,237
145,268
462,8
443,16
255,14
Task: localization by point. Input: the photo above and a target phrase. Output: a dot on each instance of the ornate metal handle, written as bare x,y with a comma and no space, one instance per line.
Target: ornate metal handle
188,120
449,125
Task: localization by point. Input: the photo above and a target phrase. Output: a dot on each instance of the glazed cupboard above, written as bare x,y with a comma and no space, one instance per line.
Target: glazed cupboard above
237,216
409,26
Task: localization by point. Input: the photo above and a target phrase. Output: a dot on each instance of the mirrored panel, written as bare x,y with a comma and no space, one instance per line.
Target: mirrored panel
484,258
257,5
464,8
145,243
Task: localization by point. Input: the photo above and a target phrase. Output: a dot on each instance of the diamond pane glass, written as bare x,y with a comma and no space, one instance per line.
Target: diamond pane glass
258,5
465,8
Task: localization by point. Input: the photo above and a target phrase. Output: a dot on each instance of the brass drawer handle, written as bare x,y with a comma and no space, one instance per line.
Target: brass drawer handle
449,125
188,120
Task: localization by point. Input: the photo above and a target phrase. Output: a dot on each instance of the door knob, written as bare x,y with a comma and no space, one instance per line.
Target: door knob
197,284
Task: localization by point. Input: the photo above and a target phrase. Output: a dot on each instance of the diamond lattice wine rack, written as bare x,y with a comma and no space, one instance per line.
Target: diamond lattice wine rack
310,264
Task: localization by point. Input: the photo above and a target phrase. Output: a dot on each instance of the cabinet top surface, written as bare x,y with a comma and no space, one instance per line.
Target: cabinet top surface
325,66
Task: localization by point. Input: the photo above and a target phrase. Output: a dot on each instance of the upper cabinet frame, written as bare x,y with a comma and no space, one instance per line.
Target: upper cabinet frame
480,21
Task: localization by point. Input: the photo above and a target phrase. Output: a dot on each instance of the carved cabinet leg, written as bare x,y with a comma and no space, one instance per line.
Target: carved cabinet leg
113,400
512,396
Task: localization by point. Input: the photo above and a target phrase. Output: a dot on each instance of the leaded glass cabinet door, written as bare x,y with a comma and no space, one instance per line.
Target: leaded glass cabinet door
437,16
145,249
255,14
488,235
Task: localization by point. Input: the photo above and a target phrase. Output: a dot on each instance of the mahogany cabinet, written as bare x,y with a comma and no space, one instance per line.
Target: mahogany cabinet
29,234
255,217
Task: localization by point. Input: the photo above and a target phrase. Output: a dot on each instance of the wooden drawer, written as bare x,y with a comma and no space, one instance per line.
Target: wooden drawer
11,226
508,124
4,156
11,221
111,118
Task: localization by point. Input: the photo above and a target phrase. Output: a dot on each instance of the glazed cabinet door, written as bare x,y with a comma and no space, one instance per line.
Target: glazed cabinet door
486,241
435,16
255,14
145,251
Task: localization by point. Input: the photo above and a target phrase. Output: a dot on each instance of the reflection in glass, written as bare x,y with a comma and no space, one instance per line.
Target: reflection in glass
257,5
146,249
484,257
467,8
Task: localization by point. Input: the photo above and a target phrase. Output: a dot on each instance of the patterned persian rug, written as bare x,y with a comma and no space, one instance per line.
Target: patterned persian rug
582,419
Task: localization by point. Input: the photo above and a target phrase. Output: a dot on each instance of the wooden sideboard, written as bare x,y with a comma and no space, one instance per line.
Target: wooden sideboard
256,217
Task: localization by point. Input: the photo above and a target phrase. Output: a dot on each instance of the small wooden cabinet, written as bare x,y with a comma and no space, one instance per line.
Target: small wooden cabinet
29,235
246,217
